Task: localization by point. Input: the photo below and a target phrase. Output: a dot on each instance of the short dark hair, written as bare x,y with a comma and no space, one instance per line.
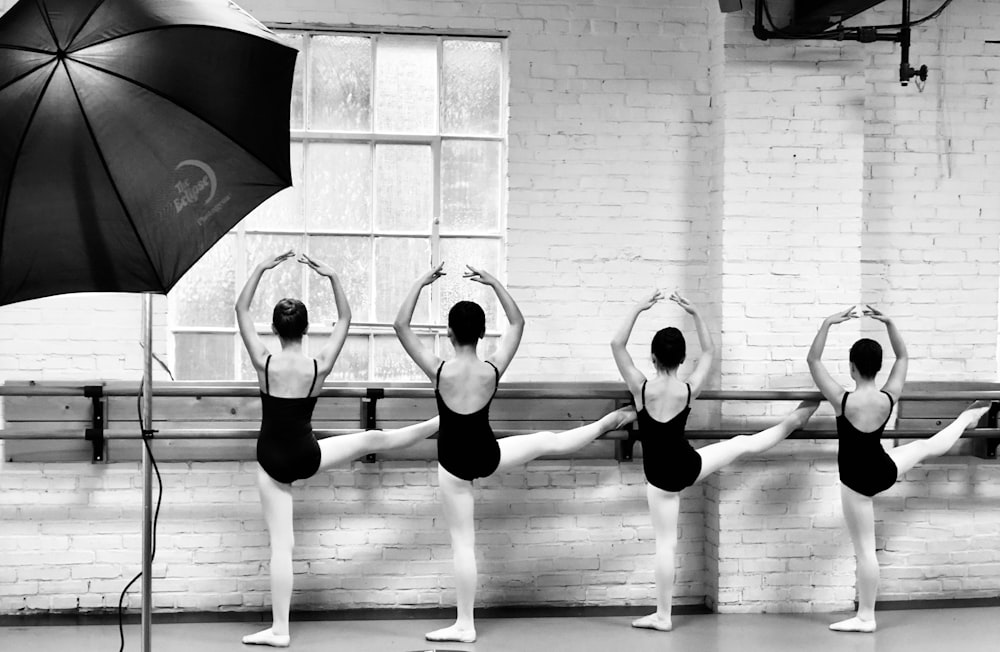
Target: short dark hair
866,355
467,322
669,348
290,319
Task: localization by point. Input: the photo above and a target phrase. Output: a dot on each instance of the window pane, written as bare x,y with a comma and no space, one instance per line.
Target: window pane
203,356
296,41
284,210
481,254
472,72
398,263
404,187
285,280
205,294
247,371
340,69
351,258
353,361
339,186
406,85
393,363
470,186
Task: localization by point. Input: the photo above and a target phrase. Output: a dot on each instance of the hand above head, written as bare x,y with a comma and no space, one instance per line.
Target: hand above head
842,316
479,276
683,303
649,301
432,275
319,267
875,314
273,261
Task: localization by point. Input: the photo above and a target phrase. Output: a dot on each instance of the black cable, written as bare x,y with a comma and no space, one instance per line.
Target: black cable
156,518
837,32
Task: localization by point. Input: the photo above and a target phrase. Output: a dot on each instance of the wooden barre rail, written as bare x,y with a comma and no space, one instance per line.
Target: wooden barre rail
568,390
243,433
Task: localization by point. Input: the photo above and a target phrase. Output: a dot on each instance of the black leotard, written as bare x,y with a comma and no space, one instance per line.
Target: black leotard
287,448
667,458
467,448
864,465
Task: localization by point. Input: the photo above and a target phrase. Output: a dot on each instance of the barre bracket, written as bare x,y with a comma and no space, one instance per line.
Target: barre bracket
369,406
95,433
985,448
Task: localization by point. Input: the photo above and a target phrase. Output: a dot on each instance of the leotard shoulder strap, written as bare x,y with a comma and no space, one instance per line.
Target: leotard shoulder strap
892,404
267,383
315,376
644,395
689,395
497,372
843,404
438,381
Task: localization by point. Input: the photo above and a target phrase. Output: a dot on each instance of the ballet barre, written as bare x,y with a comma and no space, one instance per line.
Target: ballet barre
413,398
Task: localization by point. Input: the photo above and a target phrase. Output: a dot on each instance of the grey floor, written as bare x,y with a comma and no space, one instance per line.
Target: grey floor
948,630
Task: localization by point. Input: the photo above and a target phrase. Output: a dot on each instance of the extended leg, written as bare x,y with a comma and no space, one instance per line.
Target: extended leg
860,515
909,455
663,508
337,450
458,504
716,456
276,500
520,449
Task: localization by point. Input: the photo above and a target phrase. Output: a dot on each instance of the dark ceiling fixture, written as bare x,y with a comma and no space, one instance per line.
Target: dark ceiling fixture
824,20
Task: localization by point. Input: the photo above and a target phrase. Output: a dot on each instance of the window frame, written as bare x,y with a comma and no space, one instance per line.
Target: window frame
365,327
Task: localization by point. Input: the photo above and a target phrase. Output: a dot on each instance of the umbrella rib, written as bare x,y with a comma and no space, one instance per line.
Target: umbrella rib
23,75
17,154
84,23
176,103
156,28
48,21
24,48
107,171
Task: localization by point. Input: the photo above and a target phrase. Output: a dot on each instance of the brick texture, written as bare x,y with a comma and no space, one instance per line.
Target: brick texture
652,144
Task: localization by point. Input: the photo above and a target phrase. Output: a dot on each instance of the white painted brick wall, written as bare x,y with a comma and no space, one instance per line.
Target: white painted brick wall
370,536
652,143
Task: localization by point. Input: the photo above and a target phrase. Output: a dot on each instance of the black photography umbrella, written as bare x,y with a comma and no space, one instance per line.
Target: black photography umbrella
133,135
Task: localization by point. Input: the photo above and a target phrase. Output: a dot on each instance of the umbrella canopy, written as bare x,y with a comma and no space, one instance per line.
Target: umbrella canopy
133,135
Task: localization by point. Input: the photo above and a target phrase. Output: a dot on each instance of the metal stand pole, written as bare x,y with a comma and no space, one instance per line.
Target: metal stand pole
147,469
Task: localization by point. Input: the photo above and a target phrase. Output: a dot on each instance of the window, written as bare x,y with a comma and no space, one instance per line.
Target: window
388,132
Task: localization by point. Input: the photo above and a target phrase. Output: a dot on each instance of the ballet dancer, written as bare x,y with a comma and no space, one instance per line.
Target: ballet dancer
866,469
287,449
467,447
669,461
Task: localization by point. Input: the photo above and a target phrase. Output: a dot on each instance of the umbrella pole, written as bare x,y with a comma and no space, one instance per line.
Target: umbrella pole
147,469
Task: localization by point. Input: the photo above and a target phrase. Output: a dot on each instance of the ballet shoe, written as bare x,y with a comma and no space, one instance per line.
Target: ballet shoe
454,634
854,625
653,621
976,411
623,417
267,637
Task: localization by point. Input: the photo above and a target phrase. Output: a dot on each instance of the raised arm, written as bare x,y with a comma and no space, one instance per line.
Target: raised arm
511,338
255,347
424,357
699,376
830,388
335,343
897,376
626,367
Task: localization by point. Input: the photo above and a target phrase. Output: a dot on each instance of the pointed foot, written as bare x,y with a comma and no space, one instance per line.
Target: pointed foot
454,633
653,621
854,625
267,637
